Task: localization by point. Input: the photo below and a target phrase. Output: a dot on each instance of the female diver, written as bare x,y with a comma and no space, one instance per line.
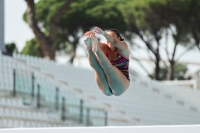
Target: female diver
109,60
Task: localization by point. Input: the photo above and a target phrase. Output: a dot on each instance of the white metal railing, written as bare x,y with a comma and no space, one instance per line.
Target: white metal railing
182,82
147,84
78,93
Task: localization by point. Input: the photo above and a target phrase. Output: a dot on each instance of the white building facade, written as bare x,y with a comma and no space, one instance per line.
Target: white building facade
2,43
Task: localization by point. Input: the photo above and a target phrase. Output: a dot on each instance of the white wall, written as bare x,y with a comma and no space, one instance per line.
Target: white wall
2,45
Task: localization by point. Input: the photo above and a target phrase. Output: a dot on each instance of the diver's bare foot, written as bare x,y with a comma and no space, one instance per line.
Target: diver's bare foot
88,43
94,44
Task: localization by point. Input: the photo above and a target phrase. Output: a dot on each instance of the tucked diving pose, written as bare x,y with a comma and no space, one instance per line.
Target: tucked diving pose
110,61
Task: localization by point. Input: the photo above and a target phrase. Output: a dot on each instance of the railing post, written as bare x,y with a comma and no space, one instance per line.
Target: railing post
63,109
106,118
14,82
81,112
32,86
38,96
56,99
88,117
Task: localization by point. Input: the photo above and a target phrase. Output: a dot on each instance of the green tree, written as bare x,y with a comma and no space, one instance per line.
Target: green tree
46,41
32,48
145,25
79,17
175,14
11,47
187,12
180,71
151,22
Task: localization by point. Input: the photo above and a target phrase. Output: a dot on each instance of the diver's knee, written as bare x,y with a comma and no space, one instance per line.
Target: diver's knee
117,94
108,93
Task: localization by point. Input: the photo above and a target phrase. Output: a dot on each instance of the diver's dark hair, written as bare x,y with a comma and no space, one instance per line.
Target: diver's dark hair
117,33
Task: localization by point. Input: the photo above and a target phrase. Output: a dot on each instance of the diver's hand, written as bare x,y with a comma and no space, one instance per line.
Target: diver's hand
89,34
98,30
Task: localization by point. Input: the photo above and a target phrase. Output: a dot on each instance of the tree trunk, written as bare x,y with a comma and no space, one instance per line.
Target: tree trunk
47,44
157,70
149,45
51,51
71,60
170,75
198,46
196,38
43,41
172,61
75,43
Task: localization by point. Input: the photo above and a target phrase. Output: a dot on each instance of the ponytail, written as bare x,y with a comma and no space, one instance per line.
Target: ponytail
121,39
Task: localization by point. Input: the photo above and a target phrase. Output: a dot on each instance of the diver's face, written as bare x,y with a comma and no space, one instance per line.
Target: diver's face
114,36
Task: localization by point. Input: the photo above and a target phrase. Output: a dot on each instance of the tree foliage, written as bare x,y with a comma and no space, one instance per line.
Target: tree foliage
180,71
32,48
79,17
11,48
152,21
46,42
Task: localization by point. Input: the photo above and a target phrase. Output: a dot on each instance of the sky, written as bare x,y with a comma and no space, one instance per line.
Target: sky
16,30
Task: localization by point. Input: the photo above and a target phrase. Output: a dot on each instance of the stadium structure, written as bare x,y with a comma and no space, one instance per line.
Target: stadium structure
42,93
35,92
